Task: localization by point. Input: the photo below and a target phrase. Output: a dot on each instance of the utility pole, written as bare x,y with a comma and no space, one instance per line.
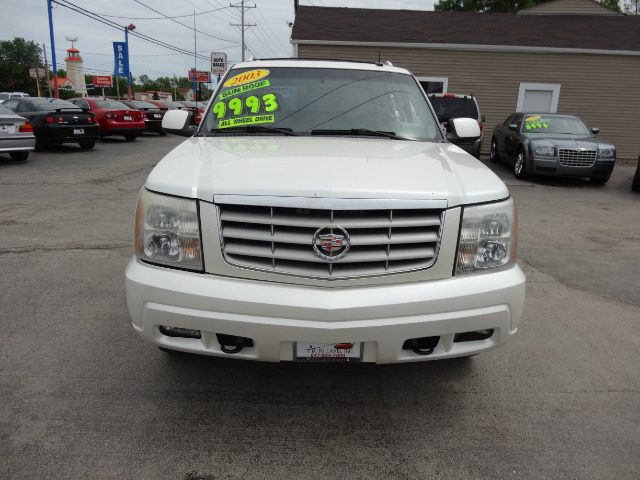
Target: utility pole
46,67
243,26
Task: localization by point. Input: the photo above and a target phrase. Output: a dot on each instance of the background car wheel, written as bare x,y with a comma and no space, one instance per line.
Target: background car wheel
87,145
519,168
599,180
493,152
635,185
162,134
19,156
130,138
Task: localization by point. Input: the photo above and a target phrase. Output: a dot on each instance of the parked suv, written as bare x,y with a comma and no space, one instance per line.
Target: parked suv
450,105
318,214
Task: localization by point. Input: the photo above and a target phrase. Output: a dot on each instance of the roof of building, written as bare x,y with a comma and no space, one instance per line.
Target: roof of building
590,32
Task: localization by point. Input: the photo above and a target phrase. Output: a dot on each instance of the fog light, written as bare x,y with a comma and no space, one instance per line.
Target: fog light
473,336
179,332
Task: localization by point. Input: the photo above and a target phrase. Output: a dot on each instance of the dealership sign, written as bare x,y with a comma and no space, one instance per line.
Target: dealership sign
203,77
102,80
218,63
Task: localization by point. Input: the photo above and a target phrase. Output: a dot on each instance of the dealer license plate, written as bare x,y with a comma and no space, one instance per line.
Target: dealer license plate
328,352
78,131
127,117
157,115
7,129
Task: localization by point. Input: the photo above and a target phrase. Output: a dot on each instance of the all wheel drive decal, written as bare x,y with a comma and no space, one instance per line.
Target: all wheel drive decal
234,122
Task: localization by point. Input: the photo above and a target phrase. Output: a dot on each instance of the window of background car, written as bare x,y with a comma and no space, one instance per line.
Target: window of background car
447,108
544,124
308,99
48,104
111,104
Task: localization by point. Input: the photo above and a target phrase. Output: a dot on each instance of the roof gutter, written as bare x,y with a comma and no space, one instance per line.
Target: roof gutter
468,47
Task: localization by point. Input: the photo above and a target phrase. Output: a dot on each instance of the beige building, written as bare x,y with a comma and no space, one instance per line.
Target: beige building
567,56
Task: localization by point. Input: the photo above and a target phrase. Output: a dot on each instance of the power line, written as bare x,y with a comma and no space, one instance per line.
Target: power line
87,13
187,26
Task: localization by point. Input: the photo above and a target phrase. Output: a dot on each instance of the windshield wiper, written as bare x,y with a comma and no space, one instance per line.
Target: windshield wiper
253,129
359,131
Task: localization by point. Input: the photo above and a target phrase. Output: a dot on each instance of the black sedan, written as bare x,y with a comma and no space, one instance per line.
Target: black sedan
56,121
152,115
552,144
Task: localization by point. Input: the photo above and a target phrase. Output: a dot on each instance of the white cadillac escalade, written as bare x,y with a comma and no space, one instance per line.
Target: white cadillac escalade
318,213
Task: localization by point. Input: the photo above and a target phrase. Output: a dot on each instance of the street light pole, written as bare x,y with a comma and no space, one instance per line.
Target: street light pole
53,52
126,43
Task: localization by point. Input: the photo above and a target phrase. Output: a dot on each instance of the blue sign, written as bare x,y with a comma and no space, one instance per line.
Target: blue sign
121,59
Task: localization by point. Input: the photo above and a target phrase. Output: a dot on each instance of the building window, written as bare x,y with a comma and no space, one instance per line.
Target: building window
434,84
538,97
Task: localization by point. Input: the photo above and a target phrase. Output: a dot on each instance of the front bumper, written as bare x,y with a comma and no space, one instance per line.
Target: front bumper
276,315
551,166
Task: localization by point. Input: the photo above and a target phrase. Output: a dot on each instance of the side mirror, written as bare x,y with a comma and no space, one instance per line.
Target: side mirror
483,119
513,127
595,131
462,129
179,122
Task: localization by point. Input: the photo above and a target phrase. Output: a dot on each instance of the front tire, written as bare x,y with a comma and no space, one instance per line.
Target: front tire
130,138
519,167
493,152
19,156
87,145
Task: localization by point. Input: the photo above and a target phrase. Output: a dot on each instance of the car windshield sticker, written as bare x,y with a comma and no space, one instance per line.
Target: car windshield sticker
251,105
235,122
535,123
244,88
246,77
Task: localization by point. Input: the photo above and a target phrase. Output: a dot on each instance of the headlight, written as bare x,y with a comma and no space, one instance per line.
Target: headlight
607,153
487,237
546,151
168,231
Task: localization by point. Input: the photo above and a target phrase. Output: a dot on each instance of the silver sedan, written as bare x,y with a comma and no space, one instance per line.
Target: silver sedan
16,135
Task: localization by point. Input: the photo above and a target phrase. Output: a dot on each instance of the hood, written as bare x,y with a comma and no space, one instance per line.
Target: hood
570,141
324,167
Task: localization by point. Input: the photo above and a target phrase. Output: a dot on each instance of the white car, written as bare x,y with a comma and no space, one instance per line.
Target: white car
319,214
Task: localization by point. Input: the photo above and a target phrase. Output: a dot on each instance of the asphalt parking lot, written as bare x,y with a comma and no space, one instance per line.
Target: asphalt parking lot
82,397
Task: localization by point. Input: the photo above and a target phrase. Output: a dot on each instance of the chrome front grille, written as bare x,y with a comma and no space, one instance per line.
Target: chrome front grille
280,239
577,157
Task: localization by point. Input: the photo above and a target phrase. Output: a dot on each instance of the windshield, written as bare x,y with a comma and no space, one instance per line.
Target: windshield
322,101
173,104
141,104
111,104
48,104
543,124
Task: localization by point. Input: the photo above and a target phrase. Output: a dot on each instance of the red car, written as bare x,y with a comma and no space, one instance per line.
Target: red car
114,117
153,115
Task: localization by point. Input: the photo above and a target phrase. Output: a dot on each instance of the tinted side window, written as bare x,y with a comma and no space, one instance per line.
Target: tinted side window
518,121
509,120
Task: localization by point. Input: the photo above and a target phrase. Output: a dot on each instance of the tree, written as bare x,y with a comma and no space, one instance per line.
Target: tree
496,6
17,56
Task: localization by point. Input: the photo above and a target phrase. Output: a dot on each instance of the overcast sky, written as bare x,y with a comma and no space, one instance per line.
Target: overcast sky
269,37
